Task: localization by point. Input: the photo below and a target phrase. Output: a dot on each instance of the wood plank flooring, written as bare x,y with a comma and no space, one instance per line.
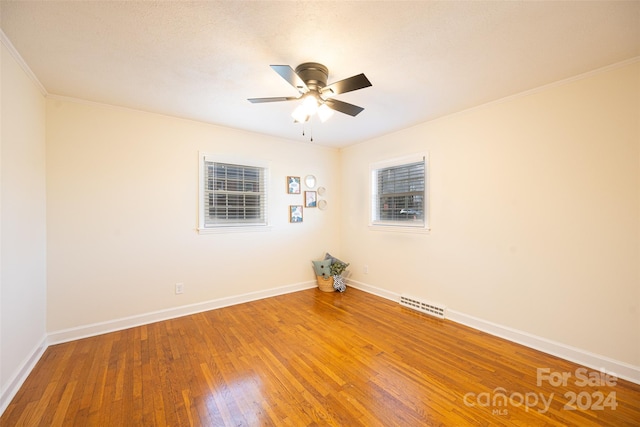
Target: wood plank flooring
312,359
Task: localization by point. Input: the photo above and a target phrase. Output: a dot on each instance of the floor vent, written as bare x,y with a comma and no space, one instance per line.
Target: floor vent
432,309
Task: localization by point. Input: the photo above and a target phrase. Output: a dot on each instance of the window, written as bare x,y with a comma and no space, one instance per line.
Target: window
232,194
399,193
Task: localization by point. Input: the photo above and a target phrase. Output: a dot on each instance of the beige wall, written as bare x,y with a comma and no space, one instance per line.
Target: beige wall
535,214
22,223
122,190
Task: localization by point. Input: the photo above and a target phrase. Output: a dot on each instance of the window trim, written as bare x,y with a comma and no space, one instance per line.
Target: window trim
233,227
373,189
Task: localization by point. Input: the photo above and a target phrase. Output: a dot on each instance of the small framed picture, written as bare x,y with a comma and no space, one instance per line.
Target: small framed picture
310,199
293,184
295,213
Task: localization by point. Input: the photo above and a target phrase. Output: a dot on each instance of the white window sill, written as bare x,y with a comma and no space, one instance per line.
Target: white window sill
399,228
234,229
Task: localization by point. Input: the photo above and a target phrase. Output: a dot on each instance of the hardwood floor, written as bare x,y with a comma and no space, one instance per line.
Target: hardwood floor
311,359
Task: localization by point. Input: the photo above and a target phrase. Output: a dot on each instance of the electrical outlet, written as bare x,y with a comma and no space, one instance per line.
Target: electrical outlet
366,269
179,288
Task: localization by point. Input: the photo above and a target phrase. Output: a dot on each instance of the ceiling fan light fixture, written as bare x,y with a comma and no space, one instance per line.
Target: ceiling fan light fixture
307,108
324,112
300,114
310,104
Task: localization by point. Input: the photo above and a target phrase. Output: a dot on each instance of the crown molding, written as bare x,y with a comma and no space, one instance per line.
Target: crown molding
16,55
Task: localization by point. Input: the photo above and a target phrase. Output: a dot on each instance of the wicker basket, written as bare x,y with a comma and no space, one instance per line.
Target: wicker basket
325,284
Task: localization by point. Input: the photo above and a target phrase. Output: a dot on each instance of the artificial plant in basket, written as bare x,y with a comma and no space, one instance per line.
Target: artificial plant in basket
337,268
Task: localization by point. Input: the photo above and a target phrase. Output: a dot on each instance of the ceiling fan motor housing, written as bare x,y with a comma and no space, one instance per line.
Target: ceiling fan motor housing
314,75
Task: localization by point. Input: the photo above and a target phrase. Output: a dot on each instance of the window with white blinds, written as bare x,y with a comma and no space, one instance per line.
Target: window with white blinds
232,194
399,196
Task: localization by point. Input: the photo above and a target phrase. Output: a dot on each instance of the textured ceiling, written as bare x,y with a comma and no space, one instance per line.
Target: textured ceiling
202,60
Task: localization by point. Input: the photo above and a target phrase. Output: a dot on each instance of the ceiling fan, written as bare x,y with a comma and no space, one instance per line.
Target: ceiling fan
310,80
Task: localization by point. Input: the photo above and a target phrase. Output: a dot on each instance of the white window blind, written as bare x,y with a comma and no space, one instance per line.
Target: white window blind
232,194
399,196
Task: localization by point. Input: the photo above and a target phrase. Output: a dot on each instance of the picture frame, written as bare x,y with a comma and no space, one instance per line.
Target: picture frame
293,185
295,213
310,199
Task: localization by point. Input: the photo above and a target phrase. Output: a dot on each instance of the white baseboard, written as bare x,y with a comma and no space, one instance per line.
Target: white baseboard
12,387
383,293
582,357
94,329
